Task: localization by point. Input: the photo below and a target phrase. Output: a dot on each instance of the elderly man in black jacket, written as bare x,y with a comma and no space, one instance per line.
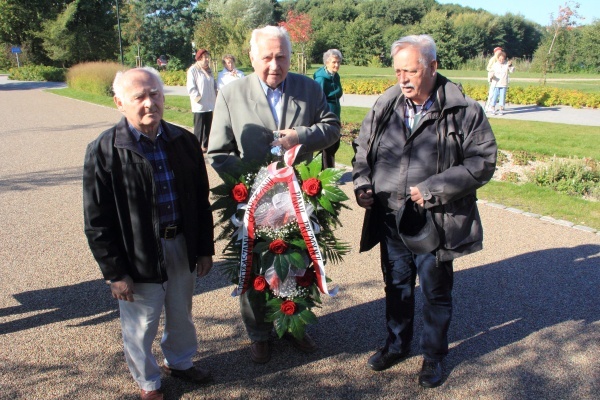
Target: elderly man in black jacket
422,152
150,228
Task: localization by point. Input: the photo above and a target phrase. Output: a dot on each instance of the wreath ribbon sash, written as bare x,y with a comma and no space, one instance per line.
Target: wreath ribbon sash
282,175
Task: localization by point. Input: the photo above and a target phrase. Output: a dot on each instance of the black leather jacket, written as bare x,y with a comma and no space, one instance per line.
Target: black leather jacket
120,213
465,160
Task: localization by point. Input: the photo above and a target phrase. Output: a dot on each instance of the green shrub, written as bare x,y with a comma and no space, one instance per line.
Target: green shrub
512,177
522,157
574,177
94,77
174,78
37,73
349,131
502,158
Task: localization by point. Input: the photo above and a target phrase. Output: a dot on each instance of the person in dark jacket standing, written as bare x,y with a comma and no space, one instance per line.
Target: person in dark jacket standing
329,79
150,228
422,152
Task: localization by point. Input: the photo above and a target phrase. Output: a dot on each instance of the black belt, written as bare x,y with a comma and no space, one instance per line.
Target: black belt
170,232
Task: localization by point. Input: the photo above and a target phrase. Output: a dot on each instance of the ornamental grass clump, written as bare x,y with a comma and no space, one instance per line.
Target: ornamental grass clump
94,77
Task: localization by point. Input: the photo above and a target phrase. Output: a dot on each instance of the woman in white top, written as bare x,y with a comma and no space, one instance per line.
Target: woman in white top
501,69
202,89
229,73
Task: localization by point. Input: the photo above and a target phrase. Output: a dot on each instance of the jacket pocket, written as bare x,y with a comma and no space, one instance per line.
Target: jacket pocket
462,223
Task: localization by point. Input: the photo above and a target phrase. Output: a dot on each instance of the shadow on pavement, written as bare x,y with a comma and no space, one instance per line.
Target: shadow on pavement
22,85
496,306
529,109
35,180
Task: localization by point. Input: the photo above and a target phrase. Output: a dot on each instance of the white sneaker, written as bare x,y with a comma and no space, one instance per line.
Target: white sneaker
500,112
490,111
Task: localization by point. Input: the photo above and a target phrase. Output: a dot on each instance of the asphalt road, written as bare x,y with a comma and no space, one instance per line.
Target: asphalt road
526,322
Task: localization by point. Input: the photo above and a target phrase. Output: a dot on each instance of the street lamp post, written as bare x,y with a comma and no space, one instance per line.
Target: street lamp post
119,30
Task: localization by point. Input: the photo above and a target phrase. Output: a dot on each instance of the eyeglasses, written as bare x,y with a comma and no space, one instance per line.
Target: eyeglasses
409,73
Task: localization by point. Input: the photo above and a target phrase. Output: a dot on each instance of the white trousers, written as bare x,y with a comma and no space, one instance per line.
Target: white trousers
140,319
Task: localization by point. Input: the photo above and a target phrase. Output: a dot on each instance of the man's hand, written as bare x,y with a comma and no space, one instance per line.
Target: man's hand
288,138
123,289
416,196
203,265
364,198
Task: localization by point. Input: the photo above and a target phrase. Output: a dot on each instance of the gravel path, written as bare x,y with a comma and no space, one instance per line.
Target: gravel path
526,323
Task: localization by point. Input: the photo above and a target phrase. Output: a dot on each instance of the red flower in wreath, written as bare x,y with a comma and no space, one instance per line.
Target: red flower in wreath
311,186
307,279
260,283
288,307
278,246
239,193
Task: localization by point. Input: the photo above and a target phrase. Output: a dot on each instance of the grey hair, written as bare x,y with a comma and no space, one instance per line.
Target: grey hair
228,57
332,53
424,43
270,31
118,83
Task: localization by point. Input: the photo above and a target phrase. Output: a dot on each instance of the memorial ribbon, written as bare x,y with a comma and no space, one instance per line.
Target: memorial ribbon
274,176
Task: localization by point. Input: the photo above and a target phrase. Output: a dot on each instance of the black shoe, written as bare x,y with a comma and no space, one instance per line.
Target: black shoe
384,359
431,374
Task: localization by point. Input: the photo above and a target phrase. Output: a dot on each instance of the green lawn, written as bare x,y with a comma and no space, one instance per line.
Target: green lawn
538,138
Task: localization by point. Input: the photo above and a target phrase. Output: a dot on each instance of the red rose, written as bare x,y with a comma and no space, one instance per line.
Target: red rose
278,246
307,279
311,186
260,283
288,307
239,193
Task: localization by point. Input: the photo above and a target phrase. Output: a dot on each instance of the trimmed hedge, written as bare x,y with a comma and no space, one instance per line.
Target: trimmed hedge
37,73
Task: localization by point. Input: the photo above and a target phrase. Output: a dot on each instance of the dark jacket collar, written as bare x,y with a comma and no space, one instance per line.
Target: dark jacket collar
125,139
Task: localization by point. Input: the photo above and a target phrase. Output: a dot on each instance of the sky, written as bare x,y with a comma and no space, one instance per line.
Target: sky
533,10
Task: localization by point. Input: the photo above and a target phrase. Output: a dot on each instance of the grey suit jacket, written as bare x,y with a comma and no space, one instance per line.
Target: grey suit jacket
242,126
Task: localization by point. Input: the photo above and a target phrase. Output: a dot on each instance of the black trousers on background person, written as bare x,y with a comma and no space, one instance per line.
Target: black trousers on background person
329,155
202,124
400,269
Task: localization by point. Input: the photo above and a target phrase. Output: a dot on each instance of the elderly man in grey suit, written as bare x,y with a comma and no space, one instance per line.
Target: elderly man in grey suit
268,108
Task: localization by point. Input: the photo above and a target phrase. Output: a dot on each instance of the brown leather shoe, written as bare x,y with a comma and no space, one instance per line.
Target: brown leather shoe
305,345
151,395
192,374
260,351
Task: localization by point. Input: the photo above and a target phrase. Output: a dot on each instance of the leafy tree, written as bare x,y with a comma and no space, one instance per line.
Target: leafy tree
161,27
84,31
588,58
475,31
212,35
564,22
441,29
362,41
520,38
394,12
20,21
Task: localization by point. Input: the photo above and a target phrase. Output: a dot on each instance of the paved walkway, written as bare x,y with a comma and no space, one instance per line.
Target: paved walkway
526,322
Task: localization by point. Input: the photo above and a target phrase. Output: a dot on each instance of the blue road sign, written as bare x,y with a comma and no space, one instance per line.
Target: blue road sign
16,50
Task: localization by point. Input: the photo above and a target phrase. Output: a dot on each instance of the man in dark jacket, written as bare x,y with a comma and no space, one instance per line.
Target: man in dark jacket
149,226
422,152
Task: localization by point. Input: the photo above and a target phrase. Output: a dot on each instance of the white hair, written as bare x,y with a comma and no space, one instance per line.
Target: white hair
118,83
271,31
424,43
331,53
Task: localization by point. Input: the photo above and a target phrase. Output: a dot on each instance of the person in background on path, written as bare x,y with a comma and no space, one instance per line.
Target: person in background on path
500,70
329,79
249,113
229,73
150,228
421,154
202,89
488,68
